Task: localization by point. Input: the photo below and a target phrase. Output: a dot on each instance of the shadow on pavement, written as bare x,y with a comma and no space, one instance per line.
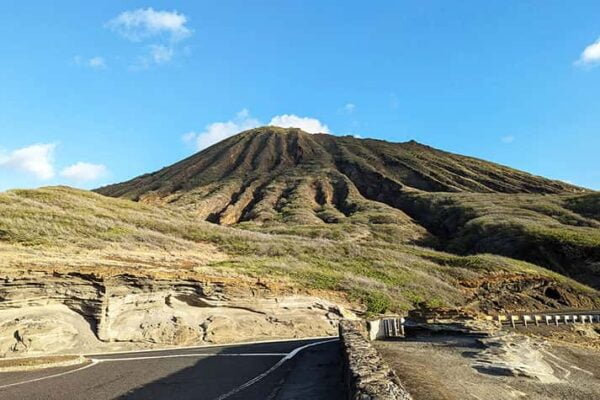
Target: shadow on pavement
315,373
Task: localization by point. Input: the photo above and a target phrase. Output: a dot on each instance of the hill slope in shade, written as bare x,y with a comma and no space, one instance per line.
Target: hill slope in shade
287,181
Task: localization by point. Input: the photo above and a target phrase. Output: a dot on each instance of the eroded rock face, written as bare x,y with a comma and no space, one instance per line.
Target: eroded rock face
74,313
40,329
514,355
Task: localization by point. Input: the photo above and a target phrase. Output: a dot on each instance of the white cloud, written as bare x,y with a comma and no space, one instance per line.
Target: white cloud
218,131
36,160
140,24
94,62
82,171
310,125
161,54
590,55
164,28
507,139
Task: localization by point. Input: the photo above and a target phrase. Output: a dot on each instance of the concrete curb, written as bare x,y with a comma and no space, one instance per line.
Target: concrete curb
366,375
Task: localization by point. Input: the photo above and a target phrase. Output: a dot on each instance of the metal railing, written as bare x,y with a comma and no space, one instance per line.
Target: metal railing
548,318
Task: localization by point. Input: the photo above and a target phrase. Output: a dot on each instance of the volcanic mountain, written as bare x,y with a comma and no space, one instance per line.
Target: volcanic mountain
253,175
280,180
279,233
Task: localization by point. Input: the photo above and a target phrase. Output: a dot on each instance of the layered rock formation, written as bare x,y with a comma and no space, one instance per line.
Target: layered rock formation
77,313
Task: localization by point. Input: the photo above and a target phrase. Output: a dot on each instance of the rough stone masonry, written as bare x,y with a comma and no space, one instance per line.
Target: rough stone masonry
366,374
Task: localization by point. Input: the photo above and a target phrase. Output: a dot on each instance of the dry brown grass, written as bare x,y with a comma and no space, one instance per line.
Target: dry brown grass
64,229
25,363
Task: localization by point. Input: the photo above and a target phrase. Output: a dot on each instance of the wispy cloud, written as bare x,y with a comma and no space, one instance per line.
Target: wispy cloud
349,108
94,62
163,29
36,160
97,62
507,139
161,54
218,131
590,56
83,172
141,24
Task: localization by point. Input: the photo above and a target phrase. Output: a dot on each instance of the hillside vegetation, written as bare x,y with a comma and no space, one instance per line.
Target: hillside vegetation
285,181
63,229
387,226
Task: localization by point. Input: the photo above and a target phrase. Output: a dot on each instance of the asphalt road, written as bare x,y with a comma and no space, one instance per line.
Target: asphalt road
302,369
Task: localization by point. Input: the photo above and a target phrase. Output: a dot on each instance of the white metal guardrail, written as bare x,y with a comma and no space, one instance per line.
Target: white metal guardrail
394,327
553,318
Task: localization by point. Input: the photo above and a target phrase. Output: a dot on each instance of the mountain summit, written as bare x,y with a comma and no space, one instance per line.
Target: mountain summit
251,175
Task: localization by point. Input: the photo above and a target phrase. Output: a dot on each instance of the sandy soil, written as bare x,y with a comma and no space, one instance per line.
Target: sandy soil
448,367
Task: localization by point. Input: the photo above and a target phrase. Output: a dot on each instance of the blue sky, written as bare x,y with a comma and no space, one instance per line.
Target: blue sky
99,92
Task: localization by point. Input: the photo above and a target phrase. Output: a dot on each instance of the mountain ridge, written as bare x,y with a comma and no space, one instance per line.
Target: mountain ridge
266,149
279,180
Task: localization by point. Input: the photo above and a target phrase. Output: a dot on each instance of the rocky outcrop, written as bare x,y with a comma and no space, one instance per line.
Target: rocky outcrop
367,375
71,313
514,355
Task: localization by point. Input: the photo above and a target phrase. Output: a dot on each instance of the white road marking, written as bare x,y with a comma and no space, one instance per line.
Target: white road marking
95,361
191,355
208,346
50,376
289,356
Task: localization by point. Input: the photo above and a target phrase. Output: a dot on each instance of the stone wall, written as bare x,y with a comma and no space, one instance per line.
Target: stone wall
367,376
